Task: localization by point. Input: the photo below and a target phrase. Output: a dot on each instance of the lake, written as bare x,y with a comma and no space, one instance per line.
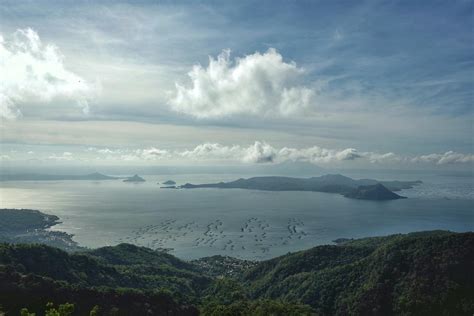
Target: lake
240,223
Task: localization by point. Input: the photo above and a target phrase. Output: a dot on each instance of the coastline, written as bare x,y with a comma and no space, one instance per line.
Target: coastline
33,226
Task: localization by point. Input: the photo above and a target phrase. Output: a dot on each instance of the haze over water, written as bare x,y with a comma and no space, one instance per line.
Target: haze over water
240,223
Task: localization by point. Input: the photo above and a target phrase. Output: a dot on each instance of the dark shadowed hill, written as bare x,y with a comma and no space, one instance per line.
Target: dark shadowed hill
135,178
133,279
169,182
127,255
427,273
331,183
416,274
377,192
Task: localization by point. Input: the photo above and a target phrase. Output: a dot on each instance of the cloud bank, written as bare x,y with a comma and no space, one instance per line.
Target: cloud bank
317,154
262,153
257,84
65,156
31,71
258,152
449,157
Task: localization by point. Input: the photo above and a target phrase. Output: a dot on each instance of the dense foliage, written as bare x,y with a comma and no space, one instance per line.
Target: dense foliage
18,291
121,266
223,266
23,220
416,274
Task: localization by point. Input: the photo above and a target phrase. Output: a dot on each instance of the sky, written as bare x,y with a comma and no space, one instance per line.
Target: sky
350,84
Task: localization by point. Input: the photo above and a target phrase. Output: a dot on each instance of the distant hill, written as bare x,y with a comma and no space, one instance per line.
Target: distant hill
376,192
332,183
135,178
426,273
51,177
169,182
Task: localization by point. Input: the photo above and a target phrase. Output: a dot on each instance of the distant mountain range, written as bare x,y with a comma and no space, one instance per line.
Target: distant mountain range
54,177
331,183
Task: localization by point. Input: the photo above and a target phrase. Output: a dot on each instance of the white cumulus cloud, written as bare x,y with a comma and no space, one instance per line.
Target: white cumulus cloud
153,153
317,154
381,158
449,157
65,156
106,151
150,153
211,151
260,153
257,84
33,71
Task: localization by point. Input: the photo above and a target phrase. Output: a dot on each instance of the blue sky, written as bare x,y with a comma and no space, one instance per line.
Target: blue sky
369,83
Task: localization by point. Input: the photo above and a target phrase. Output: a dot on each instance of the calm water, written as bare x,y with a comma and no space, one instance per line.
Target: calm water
240,223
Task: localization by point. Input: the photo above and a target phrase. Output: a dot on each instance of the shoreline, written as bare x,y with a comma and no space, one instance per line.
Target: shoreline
33,226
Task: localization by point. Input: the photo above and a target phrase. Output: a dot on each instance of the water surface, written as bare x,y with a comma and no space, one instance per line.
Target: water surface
240,223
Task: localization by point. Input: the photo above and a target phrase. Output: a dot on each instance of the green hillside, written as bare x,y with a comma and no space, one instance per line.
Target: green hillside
415,274
426,273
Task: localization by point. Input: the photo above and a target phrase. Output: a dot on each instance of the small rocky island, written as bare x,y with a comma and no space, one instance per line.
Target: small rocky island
135,178
169,182
376,192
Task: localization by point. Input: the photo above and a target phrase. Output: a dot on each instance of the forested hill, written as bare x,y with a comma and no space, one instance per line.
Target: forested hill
331,183
428,273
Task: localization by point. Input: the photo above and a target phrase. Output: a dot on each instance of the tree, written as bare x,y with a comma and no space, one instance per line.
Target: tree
25,312
63,310
95,311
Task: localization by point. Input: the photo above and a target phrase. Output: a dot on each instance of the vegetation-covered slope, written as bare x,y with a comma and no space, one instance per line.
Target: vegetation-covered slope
415,274
425,273
331,183
120,266
376,192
